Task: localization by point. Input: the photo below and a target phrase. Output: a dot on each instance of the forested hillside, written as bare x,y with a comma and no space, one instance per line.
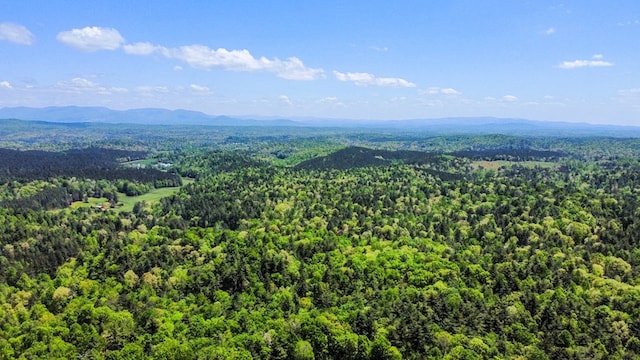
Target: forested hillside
333,247
56,179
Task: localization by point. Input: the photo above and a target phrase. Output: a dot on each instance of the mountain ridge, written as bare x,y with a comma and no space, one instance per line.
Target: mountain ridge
436,126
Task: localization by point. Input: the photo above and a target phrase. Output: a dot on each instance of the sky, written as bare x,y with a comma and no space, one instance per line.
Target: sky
575,61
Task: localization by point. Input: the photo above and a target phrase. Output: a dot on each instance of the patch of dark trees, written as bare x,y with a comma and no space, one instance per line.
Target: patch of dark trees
357,157
206,208
90,163
224,161
510,154
46,199
36,249
282,153
35,164
215,162
51,198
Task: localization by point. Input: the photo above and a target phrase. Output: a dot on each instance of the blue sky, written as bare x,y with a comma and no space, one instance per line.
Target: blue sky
543,60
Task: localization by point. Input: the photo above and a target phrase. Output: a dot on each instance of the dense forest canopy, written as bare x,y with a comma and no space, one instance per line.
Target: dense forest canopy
278,243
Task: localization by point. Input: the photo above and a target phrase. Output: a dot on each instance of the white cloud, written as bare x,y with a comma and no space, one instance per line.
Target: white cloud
510,98
434,90
584,63
81,82
550,31
285,100
81,85
200,56
15,33
141,48
92,38
294,69
328,99
152,89
379,48
6,85
203,57
178,68
199,88
331,101
595,61
450,91
366,79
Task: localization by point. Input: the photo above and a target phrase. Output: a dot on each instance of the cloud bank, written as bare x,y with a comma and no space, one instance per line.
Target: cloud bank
96,38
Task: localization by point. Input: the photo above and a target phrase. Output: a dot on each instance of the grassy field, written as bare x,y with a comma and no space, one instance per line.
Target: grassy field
92,202
126,203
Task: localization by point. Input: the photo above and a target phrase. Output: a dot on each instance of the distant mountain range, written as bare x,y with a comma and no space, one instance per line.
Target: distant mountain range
149,116
458,125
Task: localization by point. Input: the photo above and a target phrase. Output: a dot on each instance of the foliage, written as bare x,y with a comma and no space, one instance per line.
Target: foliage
362,259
